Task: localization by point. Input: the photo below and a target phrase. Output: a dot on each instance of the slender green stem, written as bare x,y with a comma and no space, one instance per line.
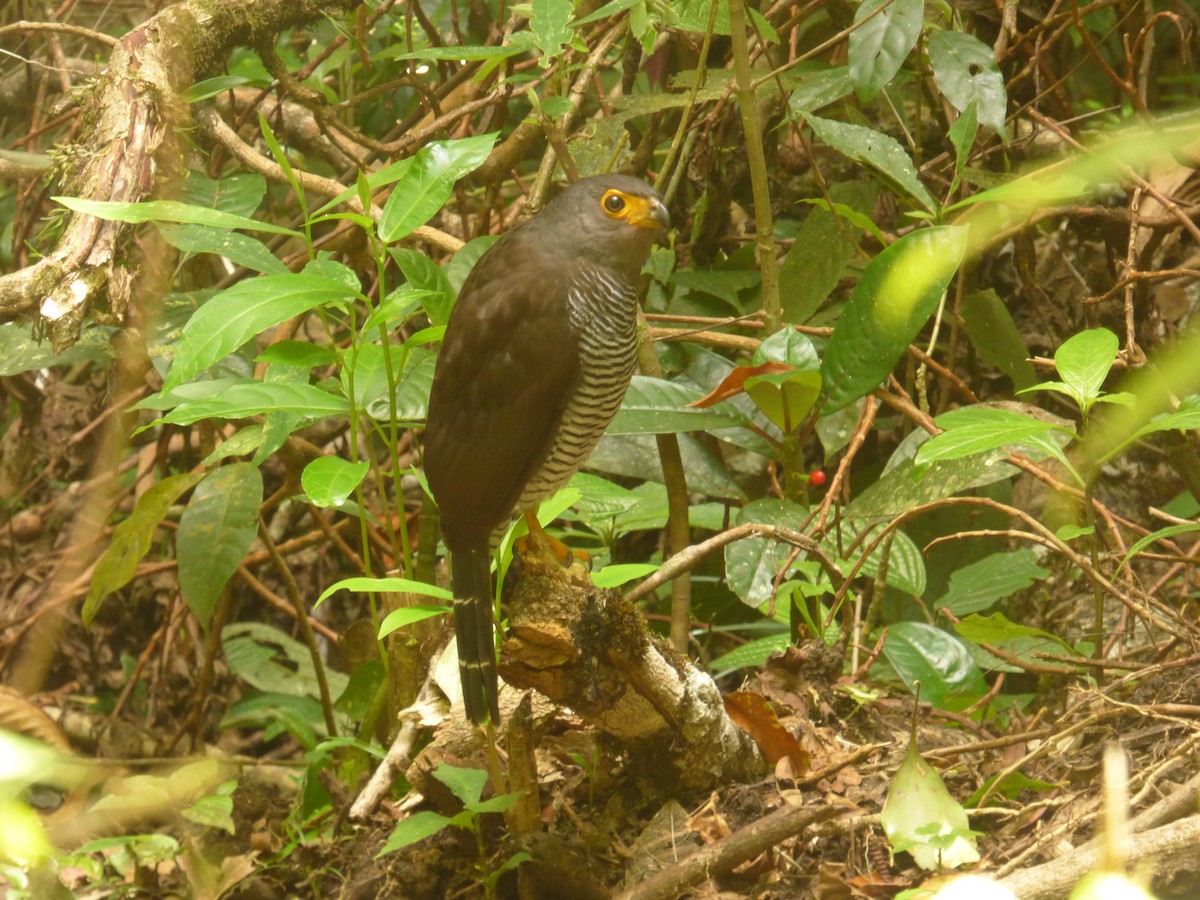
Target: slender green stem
763,224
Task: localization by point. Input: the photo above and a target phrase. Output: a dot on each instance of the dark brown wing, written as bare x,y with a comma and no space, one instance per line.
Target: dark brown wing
505,372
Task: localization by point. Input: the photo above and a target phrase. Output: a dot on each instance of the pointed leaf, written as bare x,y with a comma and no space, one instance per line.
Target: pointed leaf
131,540
921,817
966,71
879,46
898,292
428,184
330,480
875,149
215,532
238,314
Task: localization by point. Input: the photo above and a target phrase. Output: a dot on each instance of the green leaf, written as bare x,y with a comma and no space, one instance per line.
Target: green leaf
1162,533
976,587
551,27
131,540
384,585
974,429
167,211
898,292
751,564
613,576
879,46
785,398
240,194
496,804
818,257
962,135
920,652
301,354
996,629
270,661
1084,361
330,480
918,808
19,352
751,654
231,245
996,338
238,401
236,315
409,615
1186,417
819,89
215,533
210,87
465,784
416,827
872,148
966,71
215,810
658,406
723,283
427,185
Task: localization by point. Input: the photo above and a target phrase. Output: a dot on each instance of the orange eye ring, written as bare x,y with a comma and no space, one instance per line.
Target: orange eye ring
613,203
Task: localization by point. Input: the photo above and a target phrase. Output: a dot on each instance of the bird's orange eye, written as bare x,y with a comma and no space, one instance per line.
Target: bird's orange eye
613,203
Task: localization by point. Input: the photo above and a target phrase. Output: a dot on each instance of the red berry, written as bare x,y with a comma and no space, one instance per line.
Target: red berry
817,478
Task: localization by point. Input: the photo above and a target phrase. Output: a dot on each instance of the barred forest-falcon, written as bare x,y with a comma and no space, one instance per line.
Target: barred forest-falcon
536,359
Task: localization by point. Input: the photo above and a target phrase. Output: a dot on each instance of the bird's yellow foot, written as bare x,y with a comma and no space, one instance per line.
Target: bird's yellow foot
561,551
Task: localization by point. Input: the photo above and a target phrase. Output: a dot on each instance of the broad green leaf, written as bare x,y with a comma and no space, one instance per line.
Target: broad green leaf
898,292
214,810
1084,361
879,46
723,283
131,540
752,564
657,406
384,585
416,827
818,89
496,804
215,533
412,394
790,347
903,488
906,565
270,661
426,275
298,353
919,816
466,784
751,654
236,315
409,615
231,245
238,401
996,629
551,27
693,15
976,587
786,398
973,429
330,480
966,71
996,338
275,714
239,194
872,148
636,456
19,352
167,211
427,185
612,576
920,652
823,247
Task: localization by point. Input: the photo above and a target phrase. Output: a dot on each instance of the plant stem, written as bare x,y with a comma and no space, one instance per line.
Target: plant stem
763,225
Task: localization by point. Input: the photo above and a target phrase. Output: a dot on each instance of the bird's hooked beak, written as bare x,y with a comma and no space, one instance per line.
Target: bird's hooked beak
649,213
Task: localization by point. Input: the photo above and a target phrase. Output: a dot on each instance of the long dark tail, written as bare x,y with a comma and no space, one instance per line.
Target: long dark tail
473,629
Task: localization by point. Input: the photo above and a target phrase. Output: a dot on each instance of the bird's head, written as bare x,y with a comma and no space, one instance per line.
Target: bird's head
610,219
